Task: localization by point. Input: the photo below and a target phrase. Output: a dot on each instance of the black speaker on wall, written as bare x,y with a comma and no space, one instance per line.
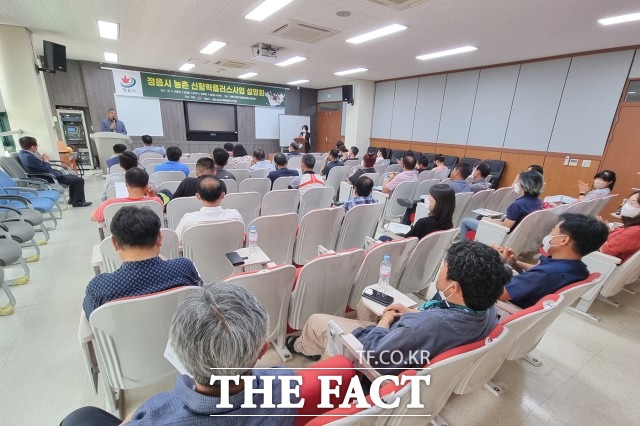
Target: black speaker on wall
55,57
347,93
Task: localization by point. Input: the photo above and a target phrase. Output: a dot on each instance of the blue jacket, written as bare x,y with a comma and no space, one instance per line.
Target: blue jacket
33,164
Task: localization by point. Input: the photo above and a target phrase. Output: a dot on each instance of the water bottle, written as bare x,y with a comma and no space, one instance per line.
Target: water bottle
253,237
385,274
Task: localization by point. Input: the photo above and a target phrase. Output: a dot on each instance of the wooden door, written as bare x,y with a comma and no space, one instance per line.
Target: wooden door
329,124
621,155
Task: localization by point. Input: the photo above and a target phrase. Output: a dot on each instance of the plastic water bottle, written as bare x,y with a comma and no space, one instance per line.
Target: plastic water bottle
385,274
253,237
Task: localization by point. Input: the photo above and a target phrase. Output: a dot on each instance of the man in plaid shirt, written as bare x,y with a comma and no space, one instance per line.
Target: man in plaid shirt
362,193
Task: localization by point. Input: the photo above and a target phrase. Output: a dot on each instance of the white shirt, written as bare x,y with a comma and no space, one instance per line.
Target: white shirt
206,215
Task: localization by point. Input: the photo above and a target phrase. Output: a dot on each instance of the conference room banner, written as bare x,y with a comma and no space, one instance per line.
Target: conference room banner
153,85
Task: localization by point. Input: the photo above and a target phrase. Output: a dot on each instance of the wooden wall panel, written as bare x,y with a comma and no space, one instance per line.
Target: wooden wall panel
482,154
449,150
517,163
424,147
563,179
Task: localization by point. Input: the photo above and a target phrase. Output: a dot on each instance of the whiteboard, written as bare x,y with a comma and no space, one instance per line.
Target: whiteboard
290,126
141,116
267,122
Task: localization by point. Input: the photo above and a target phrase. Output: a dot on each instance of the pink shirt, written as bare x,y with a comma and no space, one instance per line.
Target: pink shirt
406,176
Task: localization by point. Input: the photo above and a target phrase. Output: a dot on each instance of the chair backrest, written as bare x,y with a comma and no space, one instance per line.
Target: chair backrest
380,168
462,201
247,203
397,154
601,204
317,291
424,261
294,162
111,191
337,174
426,175
272,287
195,156
244,165
171,186
239,174
393,168
170,247
259,185
351,163
450,161
111,210
318,227
12,166
260,173
178,207
282,183
161,177
111,260
530,338
528,235
423,187
280,201
469,160
192,174
116,168
277,236
477,202
442,174
392,208
621,276
152,161
369,271
360,221
150,155
373,176
496,197
207,245
131,335
497,169
315,198
509,198
231,185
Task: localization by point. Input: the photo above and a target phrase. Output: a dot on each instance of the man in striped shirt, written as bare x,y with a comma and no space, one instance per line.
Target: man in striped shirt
309,178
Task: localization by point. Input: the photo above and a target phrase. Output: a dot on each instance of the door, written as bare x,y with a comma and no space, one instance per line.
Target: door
329,125
621,153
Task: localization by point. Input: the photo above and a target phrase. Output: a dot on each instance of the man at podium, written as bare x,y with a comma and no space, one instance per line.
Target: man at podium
112,124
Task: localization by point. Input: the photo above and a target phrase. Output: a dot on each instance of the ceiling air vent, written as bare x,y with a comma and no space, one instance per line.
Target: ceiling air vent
300,31
398,4
229,63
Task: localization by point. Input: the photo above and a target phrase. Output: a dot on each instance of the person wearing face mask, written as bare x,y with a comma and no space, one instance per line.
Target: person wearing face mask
479,176
603,183
442,203
624,242
307,138
469,282
530,186
574,237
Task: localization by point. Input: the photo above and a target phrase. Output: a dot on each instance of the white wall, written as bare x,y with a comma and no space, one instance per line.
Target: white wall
24,92
359,115
564,105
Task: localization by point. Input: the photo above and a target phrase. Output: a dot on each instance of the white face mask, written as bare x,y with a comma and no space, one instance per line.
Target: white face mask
629,211
442,296
516,187
599,184
546,242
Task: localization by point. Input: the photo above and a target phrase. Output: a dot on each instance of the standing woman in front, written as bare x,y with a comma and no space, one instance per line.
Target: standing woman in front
307,138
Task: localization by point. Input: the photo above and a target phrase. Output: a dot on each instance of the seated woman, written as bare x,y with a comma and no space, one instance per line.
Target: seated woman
531,185
240,155
383,154
368,160
624,242
442,203
439,163
603,183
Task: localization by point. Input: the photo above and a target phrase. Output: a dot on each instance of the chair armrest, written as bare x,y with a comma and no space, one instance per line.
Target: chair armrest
322,250
12,219
85,334
58,163
41,183
49,175
491,233
506,309
20,189
353,350
18,198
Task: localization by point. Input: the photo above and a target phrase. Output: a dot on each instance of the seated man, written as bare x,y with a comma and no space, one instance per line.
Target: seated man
127,160
137,239
281,168
294,150
211,191
229,148
137,182
573,238
361,193
469,282
309,178
187,188
408,175
332,160
118,149
423,164
206,322
33,163
173,162
220,159
148,146
458,177
259,162
353,153
479,176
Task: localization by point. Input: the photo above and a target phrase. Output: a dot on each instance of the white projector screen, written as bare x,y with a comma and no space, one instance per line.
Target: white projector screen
141,116
290,126
202,117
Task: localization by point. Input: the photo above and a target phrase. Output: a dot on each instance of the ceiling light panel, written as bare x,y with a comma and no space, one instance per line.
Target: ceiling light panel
293,83
108,30
291,61
620,19
266,9
248,75
352,71
449,52
380,32
110,57
213,47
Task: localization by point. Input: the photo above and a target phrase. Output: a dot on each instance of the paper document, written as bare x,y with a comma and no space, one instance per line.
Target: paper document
560,199
397,228
121,190
487,212
378,188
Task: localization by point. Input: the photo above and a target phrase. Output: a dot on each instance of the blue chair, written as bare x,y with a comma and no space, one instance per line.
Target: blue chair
12,166
43,205
8,186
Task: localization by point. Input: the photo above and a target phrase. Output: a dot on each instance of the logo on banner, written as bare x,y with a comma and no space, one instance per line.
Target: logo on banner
127,81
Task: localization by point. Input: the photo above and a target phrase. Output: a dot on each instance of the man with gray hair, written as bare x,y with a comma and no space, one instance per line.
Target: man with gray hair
219,330
112,124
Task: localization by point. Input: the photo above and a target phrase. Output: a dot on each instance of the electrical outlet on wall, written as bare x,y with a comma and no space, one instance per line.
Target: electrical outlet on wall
566,160
573,162
586,163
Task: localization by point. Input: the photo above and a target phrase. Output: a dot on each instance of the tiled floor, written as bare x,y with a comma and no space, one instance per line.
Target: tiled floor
589,373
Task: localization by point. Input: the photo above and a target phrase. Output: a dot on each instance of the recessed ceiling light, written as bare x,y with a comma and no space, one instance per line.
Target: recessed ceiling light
632,93
186,66
380,32
353,71
620,19
290,61
343,13
266,9
293,83
213,47
447,53
110,57
248,75
108,30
